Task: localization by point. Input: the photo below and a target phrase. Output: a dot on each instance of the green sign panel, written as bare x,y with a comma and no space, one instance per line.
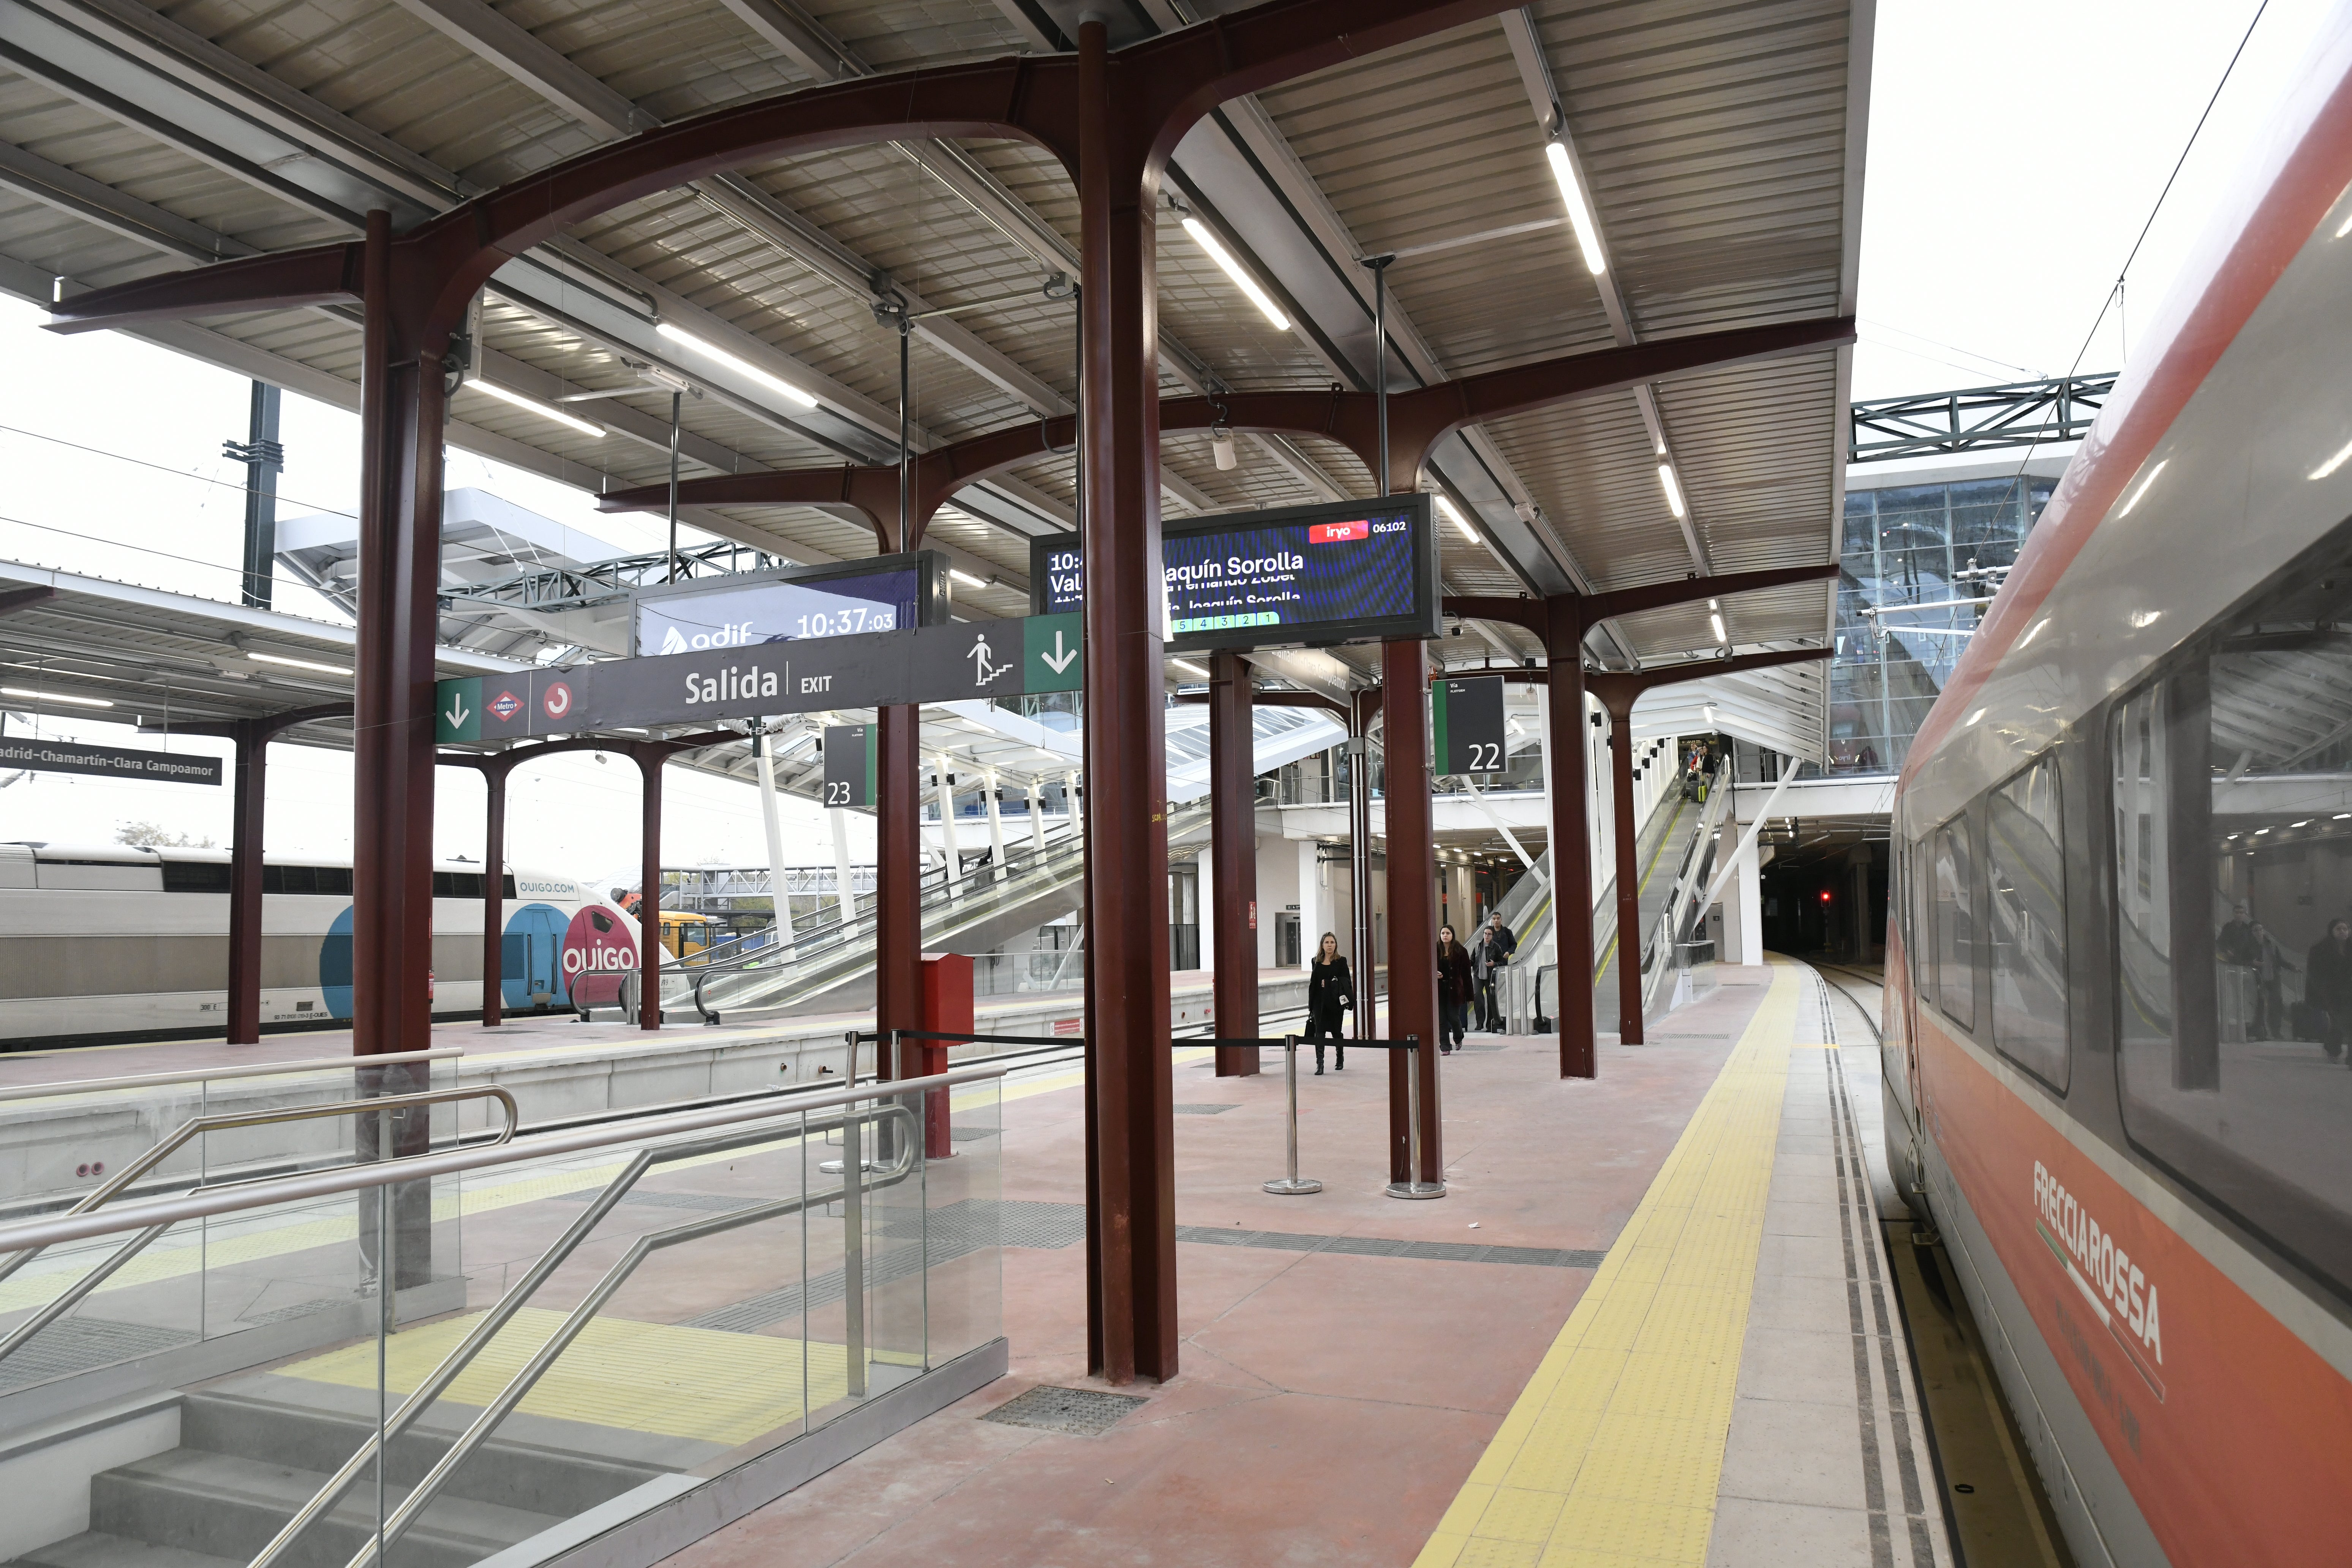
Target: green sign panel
1467,719
1050,653
458,712
850,764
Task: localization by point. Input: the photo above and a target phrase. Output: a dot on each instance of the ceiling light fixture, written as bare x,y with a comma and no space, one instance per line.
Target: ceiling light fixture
2343,456
533,405
740,366
2144,485
297,663
1715,625
1189,667
1468,533
1674,490
1242,281
960,575
54,697
1579,215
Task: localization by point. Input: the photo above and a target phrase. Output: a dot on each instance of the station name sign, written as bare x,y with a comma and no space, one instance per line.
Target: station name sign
1310,576
959,662
108,762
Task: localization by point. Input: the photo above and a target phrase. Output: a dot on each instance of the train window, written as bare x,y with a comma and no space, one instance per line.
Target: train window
2025,871
1955,943
2233,800
1917,937
195,875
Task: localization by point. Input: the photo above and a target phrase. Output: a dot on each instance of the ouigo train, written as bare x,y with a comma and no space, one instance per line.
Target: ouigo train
2119,978
102,942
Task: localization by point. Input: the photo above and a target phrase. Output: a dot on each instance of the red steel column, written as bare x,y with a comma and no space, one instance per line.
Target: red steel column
1233,859
1571,840
649,947
245,884
897,876
494,898
1629,878
400,410
1412,903
1362,957
1126,786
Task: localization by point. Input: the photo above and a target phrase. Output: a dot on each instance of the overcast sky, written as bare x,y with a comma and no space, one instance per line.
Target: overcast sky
2016,149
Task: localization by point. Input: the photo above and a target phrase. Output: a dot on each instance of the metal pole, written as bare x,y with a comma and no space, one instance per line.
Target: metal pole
673,402
1291,1185
906,458
1414,1187
1379,266
853,1251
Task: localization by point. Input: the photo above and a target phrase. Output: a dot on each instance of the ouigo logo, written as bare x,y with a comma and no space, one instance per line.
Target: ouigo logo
598,942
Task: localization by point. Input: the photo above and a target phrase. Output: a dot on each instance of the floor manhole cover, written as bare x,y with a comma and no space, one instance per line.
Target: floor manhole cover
1196,1109
1080,1412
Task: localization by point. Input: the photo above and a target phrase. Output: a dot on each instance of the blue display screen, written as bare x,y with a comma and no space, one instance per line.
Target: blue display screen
1315,575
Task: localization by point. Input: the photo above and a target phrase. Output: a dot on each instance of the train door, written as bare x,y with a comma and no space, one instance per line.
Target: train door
335,966
531,967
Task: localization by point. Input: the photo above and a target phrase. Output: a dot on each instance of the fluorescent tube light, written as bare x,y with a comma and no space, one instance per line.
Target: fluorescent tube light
1242,281
1189,667
960,575
1468,533
1579,215
2144,485
533,405
1674,490
297,663
54,697
2343,456
740,366
1715,624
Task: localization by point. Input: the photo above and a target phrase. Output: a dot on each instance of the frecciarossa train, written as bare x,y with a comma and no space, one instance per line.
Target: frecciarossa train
108,943
2119,976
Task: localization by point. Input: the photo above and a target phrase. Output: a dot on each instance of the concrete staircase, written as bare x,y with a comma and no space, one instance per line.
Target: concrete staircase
254,1450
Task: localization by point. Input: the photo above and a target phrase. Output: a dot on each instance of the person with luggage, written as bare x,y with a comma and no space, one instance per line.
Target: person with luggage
1454,989
1489,955
1330,991
2327,987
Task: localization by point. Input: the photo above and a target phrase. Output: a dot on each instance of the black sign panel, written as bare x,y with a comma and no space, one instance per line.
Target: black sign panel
850,764
107,762
966,661
1467,715
887,593
1312,576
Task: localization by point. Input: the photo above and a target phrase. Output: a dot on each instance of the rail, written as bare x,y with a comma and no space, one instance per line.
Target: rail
210,1075
197,1127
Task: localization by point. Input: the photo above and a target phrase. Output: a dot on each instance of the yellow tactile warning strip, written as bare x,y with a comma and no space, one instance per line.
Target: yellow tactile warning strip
1613,1452
663,1378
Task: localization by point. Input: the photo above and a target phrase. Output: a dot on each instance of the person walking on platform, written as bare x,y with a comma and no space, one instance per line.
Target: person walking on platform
2327,984
1455,989
1488,956
1330,991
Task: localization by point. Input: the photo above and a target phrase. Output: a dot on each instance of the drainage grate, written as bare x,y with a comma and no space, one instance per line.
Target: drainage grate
84,1344
973,1134
1196,1107
1079,1411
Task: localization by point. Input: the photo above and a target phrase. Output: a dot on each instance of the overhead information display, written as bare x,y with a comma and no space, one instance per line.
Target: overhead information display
1467,722
961,661
1300,576
887,593
850,764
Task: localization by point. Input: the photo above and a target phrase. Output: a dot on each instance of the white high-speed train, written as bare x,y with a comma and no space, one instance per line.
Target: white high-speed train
2119,954
107,943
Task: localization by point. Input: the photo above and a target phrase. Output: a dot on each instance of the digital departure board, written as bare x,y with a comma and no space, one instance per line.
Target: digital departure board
1300,576
887,593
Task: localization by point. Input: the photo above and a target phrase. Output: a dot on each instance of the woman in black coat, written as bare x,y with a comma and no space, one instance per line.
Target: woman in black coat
1455,989
1330,990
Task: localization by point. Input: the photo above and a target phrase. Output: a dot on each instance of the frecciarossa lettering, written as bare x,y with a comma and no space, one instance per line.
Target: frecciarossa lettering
2123,1295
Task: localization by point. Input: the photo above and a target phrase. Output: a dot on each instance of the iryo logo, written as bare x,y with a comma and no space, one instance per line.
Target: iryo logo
598,942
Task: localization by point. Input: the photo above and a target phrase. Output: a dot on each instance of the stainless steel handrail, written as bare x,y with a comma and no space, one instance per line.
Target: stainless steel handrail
454,1365
207,1075
178,1139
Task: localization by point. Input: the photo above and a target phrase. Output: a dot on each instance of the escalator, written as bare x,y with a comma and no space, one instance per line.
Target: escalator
830,965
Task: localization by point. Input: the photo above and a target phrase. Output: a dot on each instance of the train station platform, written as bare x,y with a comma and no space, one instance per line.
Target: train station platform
1651,1322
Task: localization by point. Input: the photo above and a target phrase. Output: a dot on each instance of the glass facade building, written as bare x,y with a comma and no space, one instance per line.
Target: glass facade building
1911,551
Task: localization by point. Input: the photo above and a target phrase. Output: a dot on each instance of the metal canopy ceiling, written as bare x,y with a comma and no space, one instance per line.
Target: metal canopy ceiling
1722,149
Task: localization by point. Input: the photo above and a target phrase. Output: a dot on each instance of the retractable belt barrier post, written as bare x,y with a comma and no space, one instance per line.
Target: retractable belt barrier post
1293,1183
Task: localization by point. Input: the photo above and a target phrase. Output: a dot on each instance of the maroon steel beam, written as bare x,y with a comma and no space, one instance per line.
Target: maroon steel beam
1608,606
1365,958
1618,692
1126,785
1418,420
649,947
1233,859
1412,907
898,875
246,847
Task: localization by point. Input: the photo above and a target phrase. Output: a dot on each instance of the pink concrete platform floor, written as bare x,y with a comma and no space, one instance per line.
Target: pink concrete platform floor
1328,1405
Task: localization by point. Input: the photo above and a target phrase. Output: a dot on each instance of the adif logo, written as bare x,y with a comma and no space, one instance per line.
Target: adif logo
734,634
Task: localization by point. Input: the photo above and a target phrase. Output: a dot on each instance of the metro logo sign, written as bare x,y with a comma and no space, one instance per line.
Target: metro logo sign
1339,533
506,705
